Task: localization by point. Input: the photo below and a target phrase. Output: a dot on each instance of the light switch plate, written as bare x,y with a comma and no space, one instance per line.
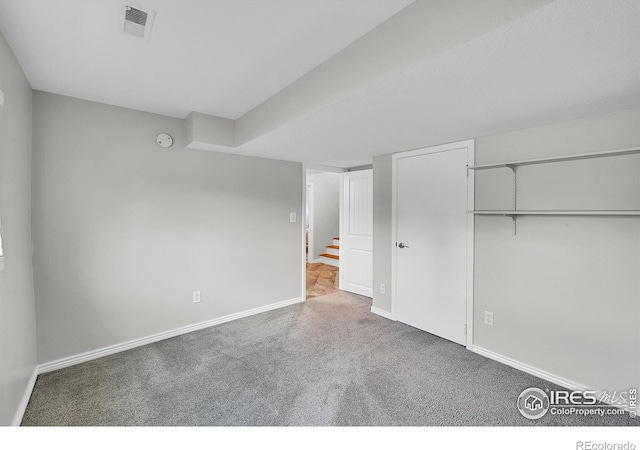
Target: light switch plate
292,217
1,98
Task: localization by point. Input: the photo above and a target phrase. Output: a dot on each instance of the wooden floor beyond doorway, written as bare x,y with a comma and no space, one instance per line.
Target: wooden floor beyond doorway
322,279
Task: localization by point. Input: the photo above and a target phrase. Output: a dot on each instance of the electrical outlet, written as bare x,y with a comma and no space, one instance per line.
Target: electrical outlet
488,318
383,288
196,296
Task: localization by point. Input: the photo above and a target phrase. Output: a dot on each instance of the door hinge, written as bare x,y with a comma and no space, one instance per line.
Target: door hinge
465,329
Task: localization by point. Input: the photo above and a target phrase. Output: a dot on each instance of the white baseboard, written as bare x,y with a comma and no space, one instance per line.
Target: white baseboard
547,376
22,407
382,313
110,350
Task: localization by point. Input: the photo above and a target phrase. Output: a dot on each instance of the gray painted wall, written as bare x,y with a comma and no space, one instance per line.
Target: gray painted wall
326,209
565,291
382,231
124,230
17,311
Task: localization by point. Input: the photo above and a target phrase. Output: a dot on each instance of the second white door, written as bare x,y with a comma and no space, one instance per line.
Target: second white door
356,235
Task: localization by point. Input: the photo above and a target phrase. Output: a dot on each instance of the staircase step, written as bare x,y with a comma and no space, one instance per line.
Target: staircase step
336,241
329,260
333,250
328,255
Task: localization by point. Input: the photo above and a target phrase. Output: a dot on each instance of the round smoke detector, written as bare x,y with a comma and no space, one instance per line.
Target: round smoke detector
164,140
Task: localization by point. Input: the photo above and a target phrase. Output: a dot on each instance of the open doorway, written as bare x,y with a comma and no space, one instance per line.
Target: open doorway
322,232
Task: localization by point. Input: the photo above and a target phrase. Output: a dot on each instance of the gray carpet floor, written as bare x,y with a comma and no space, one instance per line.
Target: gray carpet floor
328,361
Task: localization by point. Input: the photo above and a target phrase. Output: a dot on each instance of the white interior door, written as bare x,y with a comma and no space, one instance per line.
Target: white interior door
432,240
356,236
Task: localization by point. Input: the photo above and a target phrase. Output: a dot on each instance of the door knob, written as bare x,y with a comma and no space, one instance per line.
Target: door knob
401,245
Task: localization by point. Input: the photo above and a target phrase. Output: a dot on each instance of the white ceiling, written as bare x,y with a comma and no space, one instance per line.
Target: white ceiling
567,60
220,57
542,62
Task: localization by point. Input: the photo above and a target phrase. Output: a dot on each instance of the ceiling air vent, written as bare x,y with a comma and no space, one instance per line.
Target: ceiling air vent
138,20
